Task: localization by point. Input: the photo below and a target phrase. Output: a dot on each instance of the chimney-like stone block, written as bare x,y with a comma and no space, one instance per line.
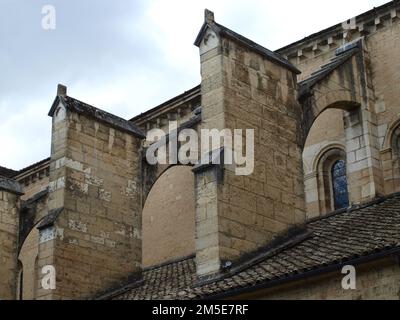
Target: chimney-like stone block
94,242
245,86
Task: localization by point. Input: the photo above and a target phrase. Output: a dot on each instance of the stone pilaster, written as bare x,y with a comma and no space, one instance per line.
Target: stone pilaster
92,235
10,192
245,86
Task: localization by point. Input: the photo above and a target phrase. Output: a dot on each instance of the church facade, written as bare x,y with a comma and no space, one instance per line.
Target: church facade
324,196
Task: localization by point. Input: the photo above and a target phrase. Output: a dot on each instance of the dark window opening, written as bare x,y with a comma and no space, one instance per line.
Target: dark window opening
339,181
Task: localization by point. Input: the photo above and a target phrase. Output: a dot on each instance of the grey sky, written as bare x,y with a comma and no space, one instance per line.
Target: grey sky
125,56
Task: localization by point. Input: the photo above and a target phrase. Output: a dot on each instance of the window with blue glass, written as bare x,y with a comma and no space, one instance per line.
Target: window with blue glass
339,181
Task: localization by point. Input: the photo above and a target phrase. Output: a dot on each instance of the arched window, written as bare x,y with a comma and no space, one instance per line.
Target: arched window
339,185
396,144
392,175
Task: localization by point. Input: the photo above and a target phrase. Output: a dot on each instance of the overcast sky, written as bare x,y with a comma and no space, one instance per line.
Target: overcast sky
125,56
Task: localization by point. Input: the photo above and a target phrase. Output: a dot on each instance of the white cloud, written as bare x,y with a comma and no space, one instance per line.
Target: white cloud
126,56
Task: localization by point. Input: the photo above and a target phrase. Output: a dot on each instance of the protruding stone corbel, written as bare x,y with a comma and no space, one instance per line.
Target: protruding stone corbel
215,162
10,186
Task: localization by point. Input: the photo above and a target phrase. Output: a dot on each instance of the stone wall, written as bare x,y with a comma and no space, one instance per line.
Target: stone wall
34,188
34,180
9,208
374,281
93,233
243,89
260,95
327,133
381,43
384,51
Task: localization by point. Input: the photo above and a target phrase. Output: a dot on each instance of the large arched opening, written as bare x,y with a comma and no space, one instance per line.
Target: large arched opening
28,275
168,218
326,187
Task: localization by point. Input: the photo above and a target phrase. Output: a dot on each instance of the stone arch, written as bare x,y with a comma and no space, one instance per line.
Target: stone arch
151,175
393,131
327,151
340,99
395,142
339,84
324,169
28,255
333,101
390,157
318,184
168,217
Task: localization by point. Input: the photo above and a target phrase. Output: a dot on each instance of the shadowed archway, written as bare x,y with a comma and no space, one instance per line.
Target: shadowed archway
168,218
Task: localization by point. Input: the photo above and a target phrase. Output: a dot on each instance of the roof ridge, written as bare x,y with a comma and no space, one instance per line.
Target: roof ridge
32,166
7,172
318,34
100,115
220,29
356,207
277,57
166,103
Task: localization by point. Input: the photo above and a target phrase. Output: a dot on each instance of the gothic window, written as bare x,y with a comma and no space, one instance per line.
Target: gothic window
396,144
339,185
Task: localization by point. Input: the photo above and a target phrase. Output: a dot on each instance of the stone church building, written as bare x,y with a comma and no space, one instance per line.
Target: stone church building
324,194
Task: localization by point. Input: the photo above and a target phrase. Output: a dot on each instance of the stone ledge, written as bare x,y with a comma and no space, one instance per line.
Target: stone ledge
98,114
10,185
215,159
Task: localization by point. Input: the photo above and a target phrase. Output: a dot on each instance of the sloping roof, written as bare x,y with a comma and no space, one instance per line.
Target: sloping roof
325,70
222,30
345,236
366,16
10,185
176,99
100,115
32,166
8,173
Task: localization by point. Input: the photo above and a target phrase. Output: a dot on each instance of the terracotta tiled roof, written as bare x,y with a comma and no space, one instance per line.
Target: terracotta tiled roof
351,235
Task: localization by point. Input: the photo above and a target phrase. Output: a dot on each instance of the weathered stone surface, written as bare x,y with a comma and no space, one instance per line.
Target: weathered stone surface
93,194
9,221
10,185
